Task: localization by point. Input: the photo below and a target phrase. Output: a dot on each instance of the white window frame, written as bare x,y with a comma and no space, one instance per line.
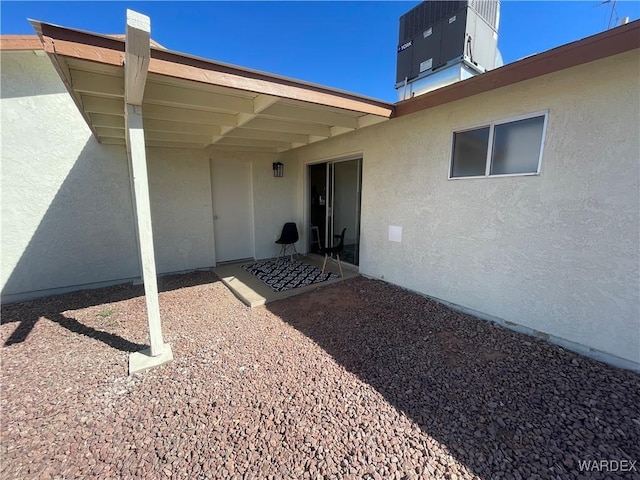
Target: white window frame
492,125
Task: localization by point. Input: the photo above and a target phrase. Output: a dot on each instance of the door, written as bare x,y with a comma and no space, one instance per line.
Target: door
232,209
318,205
335,204
346,207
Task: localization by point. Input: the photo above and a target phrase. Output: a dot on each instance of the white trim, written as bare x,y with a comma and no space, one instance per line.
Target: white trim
491,125
543,140
357,155
213,222
487,160
252,214
341,158
331,192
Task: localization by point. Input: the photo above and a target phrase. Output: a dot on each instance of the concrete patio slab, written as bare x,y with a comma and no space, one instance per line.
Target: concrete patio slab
254,292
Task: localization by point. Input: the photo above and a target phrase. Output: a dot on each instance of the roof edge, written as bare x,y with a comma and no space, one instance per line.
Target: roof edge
109,42
16,43
595,47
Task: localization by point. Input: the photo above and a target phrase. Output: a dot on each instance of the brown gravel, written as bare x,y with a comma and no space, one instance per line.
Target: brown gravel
355,380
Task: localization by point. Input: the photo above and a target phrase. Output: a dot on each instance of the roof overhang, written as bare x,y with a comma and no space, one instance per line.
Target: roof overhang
191,102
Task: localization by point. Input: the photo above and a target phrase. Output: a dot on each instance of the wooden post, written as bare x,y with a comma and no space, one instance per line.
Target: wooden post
138,160
137,56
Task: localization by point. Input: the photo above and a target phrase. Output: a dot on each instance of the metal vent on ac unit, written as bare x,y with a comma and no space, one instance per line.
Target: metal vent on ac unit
442,41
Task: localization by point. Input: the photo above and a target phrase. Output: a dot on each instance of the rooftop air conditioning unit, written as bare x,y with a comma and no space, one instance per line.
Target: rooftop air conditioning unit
442,42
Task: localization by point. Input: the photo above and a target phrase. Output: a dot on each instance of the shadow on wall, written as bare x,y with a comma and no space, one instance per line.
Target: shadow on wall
81,235
498,400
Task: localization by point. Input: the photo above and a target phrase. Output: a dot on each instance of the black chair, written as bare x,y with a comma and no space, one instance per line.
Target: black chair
288,239
329,252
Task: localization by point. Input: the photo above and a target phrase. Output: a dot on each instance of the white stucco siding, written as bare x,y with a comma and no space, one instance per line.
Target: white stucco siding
180,195
558,252
276,201
66,200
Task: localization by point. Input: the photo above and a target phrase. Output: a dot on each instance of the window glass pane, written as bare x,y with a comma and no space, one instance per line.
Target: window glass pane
516,146
470,153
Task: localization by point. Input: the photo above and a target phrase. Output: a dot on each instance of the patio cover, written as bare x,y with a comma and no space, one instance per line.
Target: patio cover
191,102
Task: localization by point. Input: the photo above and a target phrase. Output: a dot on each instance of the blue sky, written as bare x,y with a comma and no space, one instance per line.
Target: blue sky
345,45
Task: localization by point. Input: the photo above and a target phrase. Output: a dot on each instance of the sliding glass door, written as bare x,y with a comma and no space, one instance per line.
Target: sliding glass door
335,205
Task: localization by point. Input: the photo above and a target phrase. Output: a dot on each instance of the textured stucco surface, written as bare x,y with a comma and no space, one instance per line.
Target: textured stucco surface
66,200
180,194
67,215
558,252
276,201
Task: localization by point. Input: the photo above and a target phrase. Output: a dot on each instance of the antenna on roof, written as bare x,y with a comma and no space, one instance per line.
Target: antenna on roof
613,11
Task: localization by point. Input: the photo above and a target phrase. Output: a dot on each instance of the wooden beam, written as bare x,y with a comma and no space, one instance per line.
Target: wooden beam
262,102
113,141
109,132
135,74
66,48
285,111
259,104
101,49
108,106
264,135
20,43
368,120
138,161
179,127
253,143
184,146
97,84
173,96
340,130
177,137
186,115
111,121
239,148
63,72
244,80
137,54
288,127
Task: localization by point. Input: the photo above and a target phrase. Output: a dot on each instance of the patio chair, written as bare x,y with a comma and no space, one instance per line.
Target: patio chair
288,239
329,252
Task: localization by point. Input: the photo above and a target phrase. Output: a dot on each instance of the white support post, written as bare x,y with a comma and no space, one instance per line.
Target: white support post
138,159
137,55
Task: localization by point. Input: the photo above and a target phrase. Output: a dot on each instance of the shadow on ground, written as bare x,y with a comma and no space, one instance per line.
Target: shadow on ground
498,400
27,314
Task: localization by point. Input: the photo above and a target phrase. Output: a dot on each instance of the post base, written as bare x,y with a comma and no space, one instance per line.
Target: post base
142,360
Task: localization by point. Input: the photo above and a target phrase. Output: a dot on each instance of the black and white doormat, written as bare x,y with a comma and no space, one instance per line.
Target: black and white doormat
285,274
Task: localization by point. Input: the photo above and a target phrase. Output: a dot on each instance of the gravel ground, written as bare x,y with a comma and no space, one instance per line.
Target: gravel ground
355,380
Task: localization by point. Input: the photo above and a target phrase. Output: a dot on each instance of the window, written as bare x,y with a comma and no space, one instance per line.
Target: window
512,147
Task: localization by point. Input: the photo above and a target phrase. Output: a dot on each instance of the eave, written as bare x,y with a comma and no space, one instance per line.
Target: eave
191,102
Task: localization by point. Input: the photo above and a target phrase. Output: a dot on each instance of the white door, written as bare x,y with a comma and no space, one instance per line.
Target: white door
232,209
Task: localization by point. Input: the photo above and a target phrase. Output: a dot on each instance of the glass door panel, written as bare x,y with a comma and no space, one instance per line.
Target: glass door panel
345,207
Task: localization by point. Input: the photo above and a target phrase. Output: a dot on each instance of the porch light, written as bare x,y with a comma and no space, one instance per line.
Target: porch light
278,169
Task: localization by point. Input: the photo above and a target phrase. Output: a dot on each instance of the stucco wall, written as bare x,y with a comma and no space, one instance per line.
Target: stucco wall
180,194
66,200
276,201
558,252
67,216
